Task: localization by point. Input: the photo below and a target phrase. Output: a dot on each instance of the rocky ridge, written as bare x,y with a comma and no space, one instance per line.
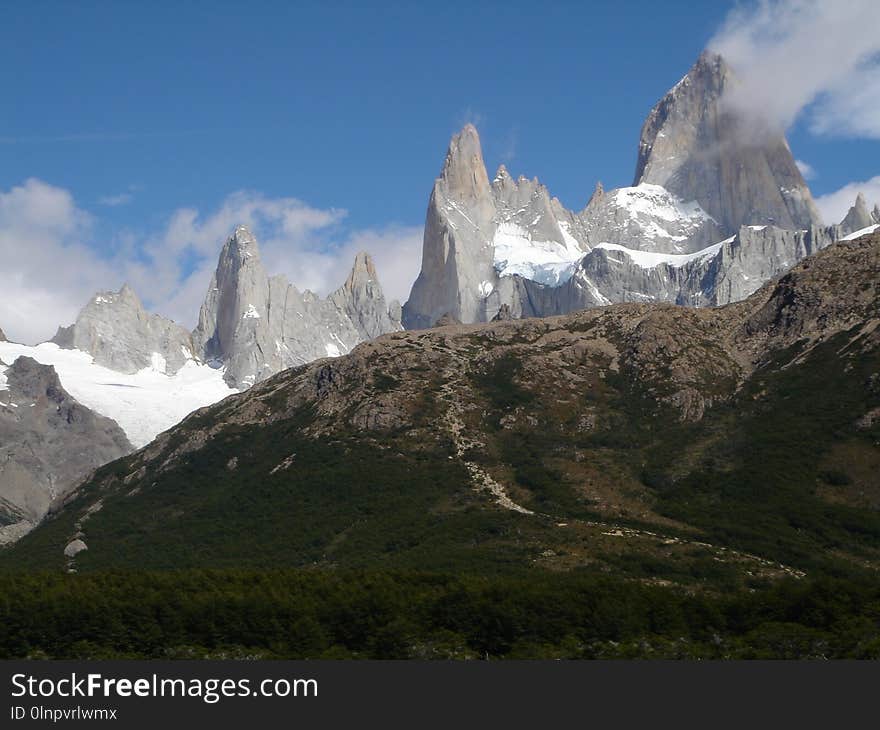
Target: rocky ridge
717,208
254,325
581,385
48,443
116,330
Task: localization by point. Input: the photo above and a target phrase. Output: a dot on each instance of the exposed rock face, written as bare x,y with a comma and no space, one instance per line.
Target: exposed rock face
718,208
875,214
254,325
858,217
680,361
120,334
650,216
738,171
504,314
74,548
48,444
456,259
361,298
2,336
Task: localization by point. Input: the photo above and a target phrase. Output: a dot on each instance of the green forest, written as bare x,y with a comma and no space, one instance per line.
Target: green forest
411,615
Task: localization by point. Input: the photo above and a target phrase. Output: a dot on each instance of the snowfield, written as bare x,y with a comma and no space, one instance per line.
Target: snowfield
648,259
547,262
862,232
143,404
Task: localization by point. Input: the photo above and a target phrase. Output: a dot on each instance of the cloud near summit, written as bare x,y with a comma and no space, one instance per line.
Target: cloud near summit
56,260
816,58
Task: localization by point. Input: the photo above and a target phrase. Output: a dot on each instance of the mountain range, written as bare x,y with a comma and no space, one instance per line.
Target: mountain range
742,439
717,208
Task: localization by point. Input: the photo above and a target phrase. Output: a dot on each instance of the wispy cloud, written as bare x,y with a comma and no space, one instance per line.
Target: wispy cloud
114,201
53,263
834,205
470,116
509,145
806,169
817,58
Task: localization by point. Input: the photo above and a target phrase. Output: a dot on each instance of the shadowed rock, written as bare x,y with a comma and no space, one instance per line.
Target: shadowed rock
49,442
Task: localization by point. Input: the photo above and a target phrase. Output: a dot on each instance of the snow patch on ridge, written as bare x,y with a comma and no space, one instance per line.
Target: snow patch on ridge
547,262
861,232
143,404
657,202
649,259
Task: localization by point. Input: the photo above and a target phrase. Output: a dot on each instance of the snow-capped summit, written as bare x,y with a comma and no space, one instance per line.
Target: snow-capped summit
707,195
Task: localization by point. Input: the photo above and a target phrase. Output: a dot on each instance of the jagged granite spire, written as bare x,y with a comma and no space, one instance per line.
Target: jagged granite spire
858,217
116,330
698,148
2,336
876,213
231,328
457,255
362,299
254,326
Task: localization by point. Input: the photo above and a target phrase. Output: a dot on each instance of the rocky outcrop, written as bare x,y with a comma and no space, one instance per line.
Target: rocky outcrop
116,330
254,325
362,299
446,320
738,170
504,314
650,218
857,218
48,443
591,396
2,336
456,257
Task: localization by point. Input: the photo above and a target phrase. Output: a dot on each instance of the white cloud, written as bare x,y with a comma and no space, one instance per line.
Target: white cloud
113,201
53,265
47,266
815,55
834,206
806,169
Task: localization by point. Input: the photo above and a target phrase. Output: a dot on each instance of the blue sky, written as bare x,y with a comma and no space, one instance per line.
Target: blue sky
337,114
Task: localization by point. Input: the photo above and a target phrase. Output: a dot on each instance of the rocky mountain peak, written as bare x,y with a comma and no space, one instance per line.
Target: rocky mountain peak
457,254
702,149
31,379
876,213
502,173
254,326
244,241
116,330
597,196
363,270
48,443
362,300
2,336
464,173
127,293
858,216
